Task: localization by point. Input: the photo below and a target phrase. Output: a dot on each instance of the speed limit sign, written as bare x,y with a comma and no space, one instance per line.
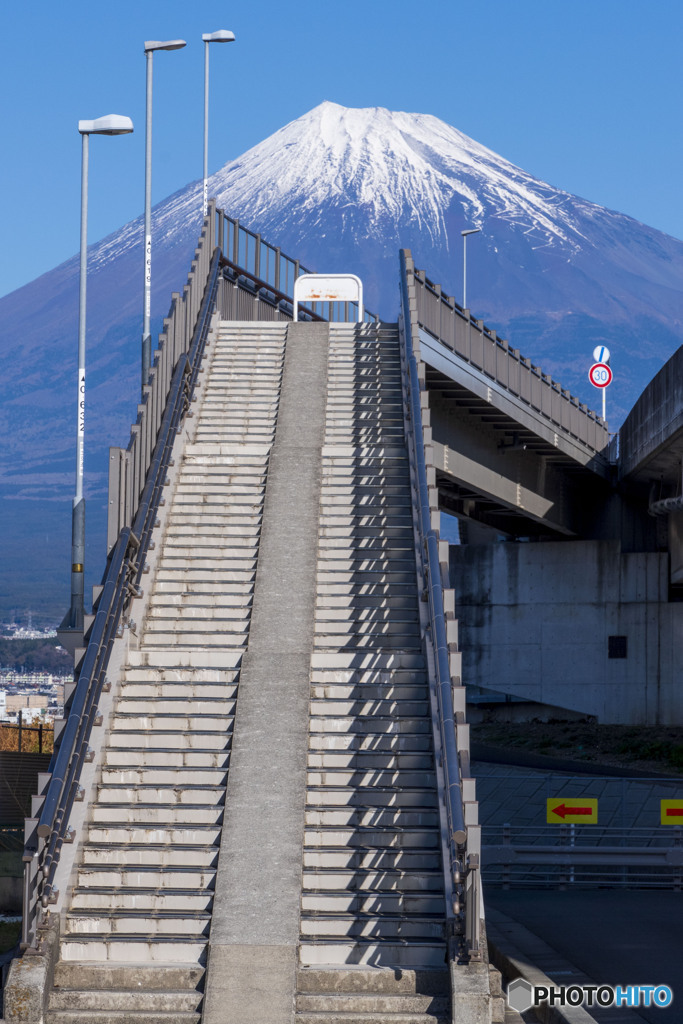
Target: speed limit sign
600,375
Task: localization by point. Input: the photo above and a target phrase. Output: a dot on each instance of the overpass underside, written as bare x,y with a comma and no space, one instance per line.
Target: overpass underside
265,839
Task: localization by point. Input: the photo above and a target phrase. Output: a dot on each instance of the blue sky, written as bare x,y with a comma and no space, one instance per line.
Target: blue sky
585,95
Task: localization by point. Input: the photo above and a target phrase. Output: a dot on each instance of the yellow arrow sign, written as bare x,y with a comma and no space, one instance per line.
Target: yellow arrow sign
574,810
672,812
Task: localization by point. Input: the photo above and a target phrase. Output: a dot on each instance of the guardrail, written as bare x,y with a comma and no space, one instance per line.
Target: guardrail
587,856
462,871
441,316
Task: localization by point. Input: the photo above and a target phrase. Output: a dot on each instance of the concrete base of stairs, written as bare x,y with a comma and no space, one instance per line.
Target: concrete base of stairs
29,981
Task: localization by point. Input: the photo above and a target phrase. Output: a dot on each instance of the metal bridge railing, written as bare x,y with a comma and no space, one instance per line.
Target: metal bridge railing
462,870
271,273
480,346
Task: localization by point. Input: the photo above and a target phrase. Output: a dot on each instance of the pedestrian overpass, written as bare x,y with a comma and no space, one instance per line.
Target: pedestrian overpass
261,808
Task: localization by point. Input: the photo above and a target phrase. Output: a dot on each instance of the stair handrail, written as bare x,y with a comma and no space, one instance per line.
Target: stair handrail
121,583
455,812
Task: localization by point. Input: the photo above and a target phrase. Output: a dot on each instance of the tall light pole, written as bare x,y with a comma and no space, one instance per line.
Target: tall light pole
150,47
470,231
111,124
222,36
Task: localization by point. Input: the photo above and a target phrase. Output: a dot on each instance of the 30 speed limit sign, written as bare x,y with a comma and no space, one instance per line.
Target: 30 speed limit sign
600,375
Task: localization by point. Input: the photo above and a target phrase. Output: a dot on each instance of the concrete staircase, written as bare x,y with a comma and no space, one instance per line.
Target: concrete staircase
134,938
368,921
372,910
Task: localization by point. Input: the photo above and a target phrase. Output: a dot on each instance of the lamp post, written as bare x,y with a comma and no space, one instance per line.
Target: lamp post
111,124
470,231
221,36
150,47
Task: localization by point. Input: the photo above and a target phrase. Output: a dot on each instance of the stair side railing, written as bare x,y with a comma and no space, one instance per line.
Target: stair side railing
462,872
135,497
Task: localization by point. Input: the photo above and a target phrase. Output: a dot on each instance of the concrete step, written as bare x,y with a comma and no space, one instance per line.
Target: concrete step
132,923
331,880
108,977
360,925
169,776
369,637
220,623
369,760
104,948
351,797
89,1016
199,639
188,835
150,877
129,704
394,743
125,1000
379,708
166,757
361,860
154,815
378,723
373,981
178,660
371,838
128,855
368,817
395,1007
364,660
362,692
351,1016
208,739
171,592
150,794
396,903
385,953
138,901
171,690
177,719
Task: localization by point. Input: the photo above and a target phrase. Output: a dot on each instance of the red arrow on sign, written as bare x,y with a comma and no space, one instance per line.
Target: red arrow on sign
674,812
563,810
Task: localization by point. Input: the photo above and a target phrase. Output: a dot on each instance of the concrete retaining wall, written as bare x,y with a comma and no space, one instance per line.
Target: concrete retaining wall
535,622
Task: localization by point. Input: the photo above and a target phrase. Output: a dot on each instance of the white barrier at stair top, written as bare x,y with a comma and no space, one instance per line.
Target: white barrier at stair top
328,288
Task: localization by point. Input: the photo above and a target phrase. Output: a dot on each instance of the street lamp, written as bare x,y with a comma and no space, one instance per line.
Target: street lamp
150,47
222,36
111,124
470,231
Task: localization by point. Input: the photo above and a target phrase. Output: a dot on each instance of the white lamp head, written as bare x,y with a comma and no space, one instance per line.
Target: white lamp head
110,124
222,36
169,44
471,231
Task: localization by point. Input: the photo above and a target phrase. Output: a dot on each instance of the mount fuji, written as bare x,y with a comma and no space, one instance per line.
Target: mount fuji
340,190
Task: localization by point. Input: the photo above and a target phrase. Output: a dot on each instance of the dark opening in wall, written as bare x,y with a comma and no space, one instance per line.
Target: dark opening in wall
617,647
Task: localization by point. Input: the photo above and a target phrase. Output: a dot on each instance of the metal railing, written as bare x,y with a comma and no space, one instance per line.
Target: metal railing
583,856
272,273
462,880
441,316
